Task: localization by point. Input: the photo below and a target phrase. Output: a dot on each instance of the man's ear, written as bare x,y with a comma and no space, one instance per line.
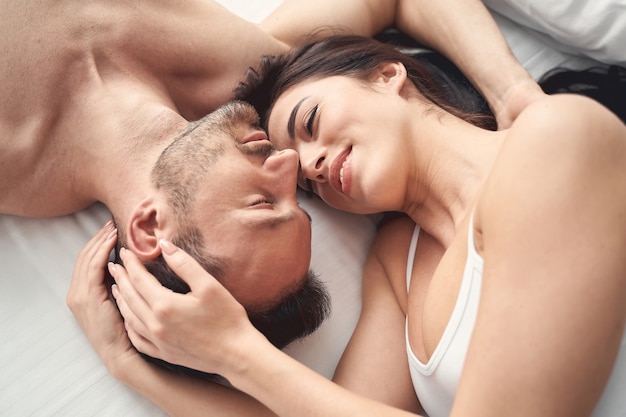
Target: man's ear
147,225
391,75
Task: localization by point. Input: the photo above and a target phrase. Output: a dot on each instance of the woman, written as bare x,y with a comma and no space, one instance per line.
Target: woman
519,228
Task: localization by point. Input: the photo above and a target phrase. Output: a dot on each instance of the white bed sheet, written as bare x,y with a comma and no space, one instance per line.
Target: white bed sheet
595,29
47,367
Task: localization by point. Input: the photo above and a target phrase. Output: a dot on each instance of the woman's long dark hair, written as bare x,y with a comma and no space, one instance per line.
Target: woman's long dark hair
433,75
358,57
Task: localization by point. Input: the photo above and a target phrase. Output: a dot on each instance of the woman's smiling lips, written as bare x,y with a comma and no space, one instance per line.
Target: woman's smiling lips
340,175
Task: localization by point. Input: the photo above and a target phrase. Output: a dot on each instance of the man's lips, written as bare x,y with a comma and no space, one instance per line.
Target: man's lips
340,181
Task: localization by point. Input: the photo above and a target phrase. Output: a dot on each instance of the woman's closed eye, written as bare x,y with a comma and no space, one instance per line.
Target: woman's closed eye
310,120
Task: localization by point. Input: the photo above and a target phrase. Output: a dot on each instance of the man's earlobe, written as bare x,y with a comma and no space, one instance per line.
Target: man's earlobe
143,231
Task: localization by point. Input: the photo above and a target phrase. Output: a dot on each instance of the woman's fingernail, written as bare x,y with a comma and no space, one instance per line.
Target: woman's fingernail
123,253
115,290
112,268
167,246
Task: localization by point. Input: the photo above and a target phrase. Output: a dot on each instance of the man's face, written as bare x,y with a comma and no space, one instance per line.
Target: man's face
247,212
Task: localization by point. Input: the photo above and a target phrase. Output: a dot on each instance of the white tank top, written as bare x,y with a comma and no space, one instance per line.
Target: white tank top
436,381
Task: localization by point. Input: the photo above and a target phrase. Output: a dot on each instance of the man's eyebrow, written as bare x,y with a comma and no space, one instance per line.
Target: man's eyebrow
292,119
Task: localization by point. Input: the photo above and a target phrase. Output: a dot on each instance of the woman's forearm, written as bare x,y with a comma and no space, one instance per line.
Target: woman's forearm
291,389
184,396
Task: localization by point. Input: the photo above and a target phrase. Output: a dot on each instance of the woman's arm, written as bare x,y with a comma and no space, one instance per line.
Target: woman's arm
375,362
551,227
229,346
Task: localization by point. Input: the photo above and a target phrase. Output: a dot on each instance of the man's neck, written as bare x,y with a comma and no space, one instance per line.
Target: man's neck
122,176
100,150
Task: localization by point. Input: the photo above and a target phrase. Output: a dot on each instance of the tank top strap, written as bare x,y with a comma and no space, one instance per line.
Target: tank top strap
411,257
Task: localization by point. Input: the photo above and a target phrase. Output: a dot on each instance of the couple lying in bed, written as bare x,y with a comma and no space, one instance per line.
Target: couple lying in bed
518,228
453,188
107,88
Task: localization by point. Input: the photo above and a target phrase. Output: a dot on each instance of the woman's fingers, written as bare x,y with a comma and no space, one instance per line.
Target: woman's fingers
89,271
100,254
92,246
143,284
147,306
185,266
131,304
88,299
193,329
96,245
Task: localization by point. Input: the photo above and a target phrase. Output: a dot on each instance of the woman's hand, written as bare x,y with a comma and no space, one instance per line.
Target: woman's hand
90,302
202,329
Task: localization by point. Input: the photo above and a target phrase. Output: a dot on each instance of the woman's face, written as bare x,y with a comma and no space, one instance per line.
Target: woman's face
350,136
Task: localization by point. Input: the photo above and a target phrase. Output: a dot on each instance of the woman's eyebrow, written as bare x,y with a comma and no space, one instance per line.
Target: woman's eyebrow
292,119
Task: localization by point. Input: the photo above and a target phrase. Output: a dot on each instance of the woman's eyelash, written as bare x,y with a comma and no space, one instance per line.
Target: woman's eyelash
310,120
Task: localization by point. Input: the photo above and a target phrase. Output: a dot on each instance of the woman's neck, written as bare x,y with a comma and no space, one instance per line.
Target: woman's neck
452,161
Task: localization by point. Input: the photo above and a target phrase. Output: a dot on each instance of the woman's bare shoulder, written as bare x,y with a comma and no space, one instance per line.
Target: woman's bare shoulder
565,121
559,152
566,130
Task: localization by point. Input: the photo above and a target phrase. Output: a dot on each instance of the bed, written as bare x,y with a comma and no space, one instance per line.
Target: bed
47,367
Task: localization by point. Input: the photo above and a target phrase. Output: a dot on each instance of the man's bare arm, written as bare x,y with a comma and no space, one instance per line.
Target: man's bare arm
295,20
465,32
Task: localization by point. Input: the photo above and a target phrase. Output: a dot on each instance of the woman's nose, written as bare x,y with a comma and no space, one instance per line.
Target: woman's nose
314,163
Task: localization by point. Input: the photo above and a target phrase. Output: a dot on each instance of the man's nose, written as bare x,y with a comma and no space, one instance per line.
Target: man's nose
281,168
282,164
284,161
